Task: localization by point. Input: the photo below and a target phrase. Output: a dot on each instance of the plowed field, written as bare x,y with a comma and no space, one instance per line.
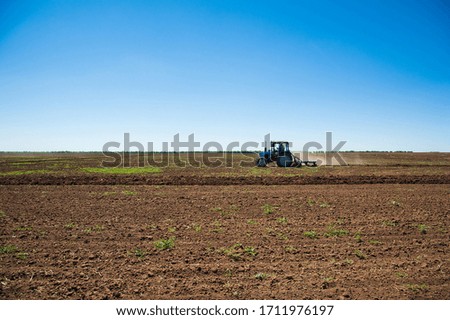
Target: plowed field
376,229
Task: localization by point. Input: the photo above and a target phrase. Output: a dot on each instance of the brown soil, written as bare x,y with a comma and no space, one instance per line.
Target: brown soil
238,237
103,179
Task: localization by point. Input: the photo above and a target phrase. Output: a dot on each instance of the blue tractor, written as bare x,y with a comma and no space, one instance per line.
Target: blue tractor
279,152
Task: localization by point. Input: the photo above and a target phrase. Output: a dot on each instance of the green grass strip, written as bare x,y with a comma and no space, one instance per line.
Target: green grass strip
123,170
18,173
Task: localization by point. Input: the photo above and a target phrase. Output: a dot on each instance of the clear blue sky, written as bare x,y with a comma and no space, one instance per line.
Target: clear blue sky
76,74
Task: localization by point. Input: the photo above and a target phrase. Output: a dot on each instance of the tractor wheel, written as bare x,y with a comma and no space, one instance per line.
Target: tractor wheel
261,162
284,161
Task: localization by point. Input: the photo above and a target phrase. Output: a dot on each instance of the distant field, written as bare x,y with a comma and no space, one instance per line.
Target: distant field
375,229
220,165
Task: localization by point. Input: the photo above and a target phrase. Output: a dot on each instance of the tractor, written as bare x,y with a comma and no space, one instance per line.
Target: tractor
279,152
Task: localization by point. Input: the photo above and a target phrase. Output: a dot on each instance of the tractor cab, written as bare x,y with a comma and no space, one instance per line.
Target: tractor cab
279,148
